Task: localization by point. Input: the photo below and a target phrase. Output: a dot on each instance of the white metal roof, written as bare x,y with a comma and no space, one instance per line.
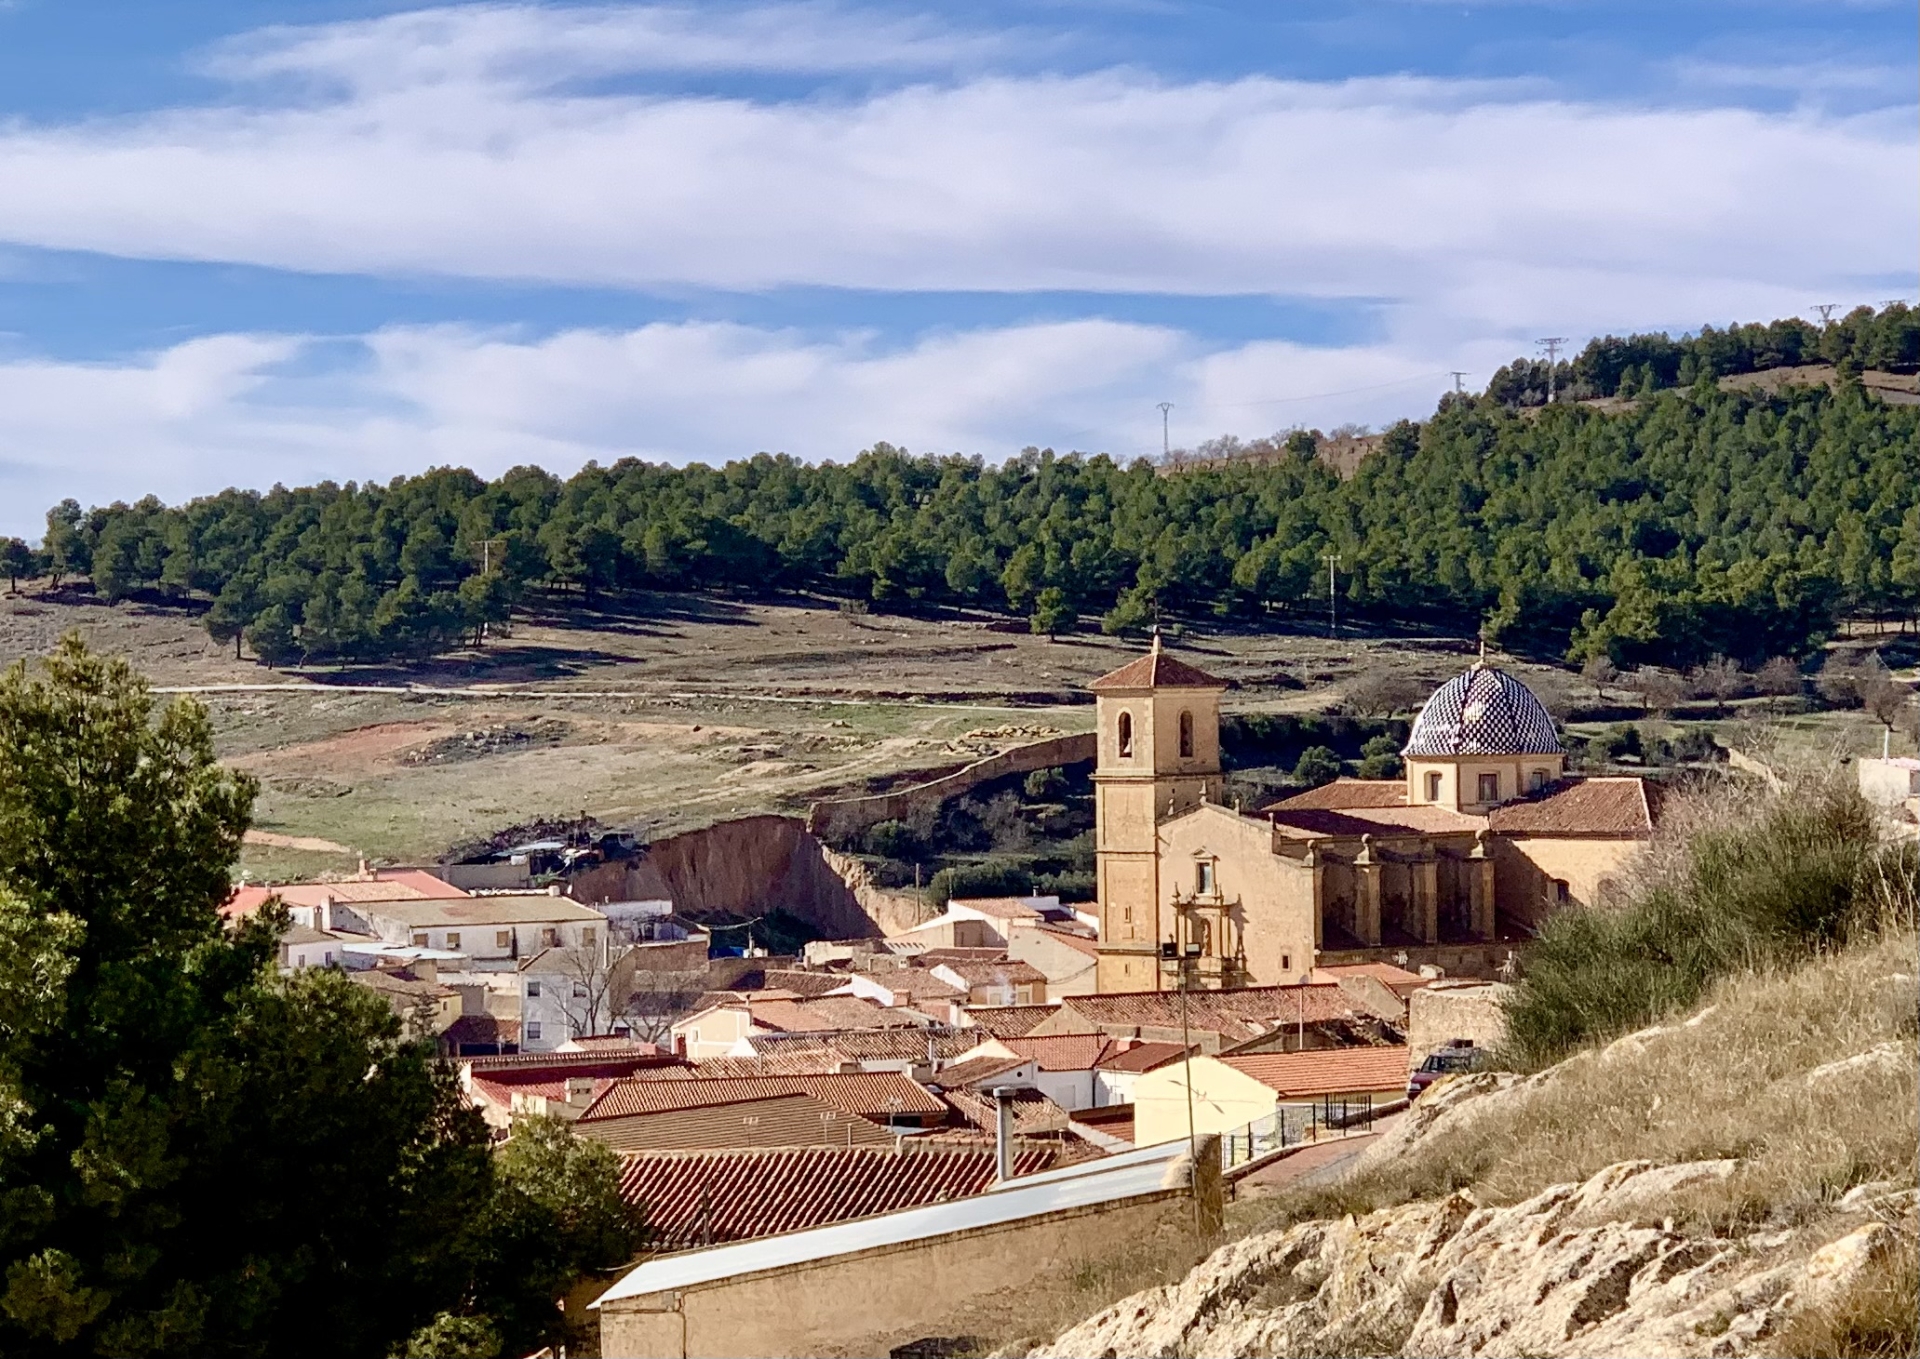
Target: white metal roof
1129,1175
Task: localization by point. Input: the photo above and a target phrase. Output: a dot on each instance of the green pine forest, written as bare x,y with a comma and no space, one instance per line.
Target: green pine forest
1689,522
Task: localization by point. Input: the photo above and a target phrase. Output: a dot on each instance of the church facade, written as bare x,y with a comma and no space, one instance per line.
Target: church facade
1483,837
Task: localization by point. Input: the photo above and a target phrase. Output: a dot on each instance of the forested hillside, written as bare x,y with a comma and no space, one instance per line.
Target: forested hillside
1698,522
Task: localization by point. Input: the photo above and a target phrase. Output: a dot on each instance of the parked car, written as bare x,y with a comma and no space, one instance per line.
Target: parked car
1457,1057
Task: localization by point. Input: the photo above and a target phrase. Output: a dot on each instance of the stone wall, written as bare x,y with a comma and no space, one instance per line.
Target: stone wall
1447,1010
839,818
933,1286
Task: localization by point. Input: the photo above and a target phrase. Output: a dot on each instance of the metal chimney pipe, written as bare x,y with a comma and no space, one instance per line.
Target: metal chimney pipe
1003,1132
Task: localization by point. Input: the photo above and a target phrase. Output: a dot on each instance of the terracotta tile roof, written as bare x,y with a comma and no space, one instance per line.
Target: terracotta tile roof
520,908
1115,1120
1064,1052
501,1093
1345,793
699,1198
811,1059
974,1070
870,1094
399,885
803,985
826,1014
1033,1112
1238,1014
878,1045
1001,908
396,987
1327,1071
1157,670
1316,822
1610,807
1071,938
998,971
1010,1021
526,1065
1142,1056
788,1120
1396,979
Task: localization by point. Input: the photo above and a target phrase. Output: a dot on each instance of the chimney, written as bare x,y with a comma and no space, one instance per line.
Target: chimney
1003,1133
553,889
579,1091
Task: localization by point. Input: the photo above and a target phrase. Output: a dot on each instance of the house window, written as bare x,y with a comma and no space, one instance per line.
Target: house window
1203,878
1489,787
533,1032
1124,731
1537,780
579,990
453,938
587,936
533,990
503,938
1433,785
1557,892
550,937
1186,736
419,941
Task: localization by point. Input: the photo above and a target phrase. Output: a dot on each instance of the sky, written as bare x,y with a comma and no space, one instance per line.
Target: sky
252,242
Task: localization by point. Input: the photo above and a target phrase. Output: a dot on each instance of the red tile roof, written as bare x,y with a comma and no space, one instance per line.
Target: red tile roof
501,1093
999,971
975,1070
1033,1112
1072,938
1610,807
1328,1071
1064,1052
388,885
869,1094
1345,793
800,1060
875,1045
1142,1057
1396,979
1011,1021
526,1064
797,983
1314,822
1157,670
1001,908
1115,1120
698,1198
1239,1014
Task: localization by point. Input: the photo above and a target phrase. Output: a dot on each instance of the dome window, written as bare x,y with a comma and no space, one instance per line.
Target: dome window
1489,787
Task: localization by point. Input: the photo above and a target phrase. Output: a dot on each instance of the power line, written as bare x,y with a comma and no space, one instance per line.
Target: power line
1457,374
1552,345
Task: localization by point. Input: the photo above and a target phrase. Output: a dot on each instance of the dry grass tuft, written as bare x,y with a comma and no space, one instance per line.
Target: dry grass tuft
1877,1317
1759,1075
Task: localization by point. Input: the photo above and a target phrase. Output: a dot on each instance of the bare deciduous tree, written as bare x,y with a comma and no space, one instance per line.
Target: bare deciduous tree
1660,692
1778,678
1382,693
1721,680
585,988
1600,671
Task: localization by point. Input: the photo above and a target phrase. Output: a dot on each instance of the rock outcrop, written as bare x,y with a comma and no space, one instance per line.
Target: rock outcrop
1588,1269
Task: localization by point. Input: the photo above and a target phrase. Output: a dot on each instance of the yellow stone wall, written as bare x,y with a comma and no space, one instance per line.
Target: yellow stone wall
1276,915
1460,778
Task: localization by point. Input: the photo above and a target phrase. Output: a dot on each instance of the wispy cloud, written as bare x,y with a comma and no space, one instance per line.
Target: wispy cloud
536,47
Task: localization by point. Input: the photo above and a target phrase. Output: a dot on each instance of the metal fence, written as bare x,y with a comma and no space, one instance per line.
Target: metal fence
1292,1124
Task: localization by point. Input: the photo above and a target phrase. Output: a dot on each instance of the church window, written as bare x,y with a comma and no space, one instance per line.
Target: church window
1286,962
1489,788
1186,736
1203,878
1433,785
1537,780
1124,731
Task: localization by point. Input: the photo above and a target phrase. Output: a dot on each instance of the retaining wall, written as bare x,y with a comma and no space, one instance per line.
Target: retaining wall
838,818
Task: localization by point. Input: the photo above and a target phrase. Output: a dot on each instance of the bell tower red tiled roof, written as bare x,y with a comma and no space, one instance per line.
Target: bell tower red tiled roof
1157,670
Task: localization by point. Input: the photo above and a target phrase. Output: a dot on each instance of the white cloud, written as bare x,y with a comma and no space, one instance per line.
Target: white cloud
253,410
528,46
445,146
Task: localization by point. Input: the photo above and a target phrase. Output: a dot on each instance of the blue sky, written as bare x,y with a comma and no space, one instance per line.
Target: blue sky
243,243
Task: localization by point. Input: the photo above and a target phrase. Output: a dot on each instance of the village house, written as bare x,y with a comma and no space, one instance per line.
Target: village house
1452,865
656,1113
993,981
488,929
1230,1092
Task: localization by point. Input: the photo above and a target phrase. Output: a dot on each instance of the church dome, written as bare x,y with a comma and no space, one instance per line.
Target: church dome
1483,712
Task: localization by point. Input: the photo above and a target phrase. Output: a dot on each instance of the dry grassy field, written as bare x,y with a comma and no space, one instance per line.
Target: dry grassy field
675,712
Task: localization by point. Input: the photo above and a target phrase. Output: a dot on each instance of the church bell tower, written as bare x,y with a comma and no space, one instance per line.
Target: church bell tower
1159,756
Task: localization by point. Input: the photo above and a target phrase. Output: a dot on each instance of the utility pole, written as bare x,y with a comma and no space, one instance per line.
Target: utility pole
1552,345
1457,375
1166,449
1332,559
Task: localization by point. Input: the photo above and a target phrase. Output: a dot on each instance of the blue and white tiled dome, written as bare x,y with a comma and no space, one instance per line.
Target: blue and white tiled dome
1483,712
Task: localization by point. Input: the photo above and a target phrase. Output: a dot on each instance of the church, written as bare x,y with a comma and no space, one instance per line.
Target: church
1453,864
